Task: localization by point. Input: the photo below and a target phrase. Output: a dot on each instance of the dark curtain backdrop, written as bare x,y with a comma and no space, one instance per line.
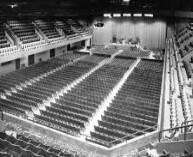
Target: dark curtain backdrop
152,32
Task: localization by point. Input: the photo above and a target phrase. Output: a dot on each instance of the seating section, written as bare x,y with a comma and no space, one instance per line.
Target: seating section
35,84
48,28
3,40
135,52
188,69
107,50
28,147
182,73
72,111
77,27
29,73
66,28
125,51
24,31
134,110
75,107
184,41
6,48
20,35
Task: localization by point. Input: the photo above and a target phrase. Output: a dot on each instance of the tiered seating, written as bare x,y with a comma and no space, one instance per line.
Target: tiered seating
188,69
3,40
77,27
134,110
5,47
26,146
184,40
181,32
24,30
66,28
48,28
28,98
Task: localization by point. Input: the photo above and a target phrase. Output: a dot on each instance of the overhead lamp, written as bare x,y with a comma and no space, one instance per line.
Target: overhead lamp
13,5
127,15
116,15
148,15
137,15
107,15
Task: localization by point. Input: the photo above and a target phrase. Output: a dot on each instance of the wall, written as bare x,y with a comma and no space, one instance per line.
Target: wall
170,29
7,68
175,147
180,23
24,62
152,33
75,45
43,55
60,50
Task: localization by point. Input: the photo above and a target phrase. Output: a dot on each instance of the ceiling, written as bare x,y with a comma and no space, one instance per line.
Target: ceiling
87,7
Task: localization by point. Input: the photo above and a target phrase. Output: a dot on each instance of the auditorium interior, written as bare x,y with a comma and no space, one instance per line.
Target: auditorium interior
96,78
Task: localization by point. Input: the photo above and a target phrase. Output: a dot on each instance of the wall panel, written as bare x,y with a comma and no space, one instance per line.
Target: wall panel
152,33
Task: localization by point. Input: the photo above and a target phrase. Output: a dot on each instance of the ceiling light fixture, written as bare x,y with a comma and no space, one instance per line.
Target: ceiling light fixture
127,15
148,15
116,15
137,15
107,15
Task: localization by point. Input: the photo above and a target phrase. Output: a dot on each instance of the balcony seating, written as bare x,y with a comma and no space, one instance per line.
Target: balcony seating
77,27
9,51
48,28
66,28
24,31
34,45
5,46
188,69
184,39
3,40
134,110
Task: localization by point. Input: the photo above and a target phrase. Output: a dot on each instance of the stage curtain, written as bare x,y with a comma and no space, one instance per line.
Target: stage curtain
151,32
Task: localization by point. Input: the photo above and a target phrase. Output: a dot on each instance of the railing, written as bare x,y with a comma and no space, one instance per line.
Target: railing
124,139
162,97
175,129
185,123
120,140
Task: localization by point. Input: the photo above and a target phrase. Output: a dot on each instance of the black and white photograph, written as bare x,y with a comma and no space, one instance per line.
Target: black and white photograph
96,78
